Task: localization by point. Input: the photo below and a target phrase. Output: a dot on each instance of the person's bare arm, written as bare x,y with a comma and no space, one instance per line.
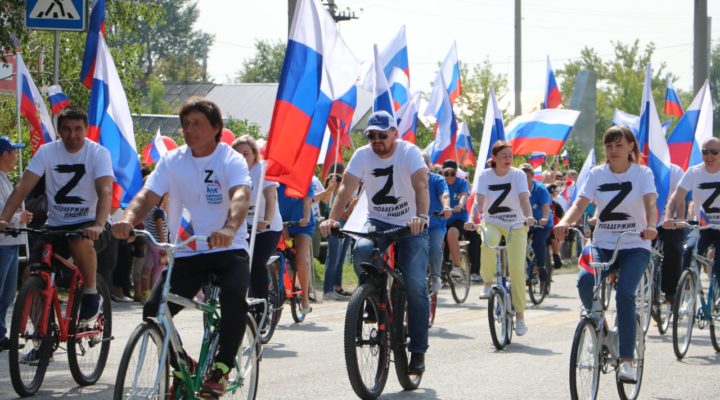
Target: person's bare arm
348,186
419,181
138,208
27,183
239,204
103,187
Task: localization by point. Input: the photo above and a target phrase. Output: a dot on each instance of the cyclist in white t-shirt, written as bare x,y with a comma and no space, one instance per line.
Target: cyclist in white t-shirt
78,185
210,181
503,196
625,194
396,185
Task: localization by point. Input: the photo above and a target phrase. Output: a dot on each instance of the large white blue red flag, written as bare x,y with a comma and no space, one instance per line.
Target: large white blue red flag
32,107
695,126
58,99
545,131
393,60
450,72
318,69
407,117
632,121
465,151
446,131
96,30
381,88
111,125
672,101
658,154
552,98
341,115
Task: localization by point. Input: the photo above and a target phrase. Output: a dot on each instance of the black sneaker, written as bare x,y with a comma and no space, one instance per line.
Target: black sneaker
90,307
417,364
4,344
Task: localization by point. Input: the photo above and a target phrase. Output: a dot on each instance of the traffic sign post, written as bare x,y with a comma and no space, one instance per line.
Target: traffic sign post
57,15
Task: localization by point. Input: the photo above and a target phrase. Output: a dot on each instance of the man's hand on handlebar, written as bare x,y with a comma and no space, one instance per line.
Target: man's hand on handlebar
94,232
417,224
221,238
121,230
327,226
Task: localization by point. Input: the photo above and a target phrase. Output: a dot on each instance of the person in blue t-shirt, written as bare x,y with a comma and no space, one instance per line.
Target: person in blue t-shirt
540,201
459,191
439,210
300,210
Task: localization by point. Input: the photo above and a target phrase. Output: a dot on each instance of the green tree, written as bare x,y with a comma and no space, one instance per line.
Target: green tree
11,24
241,127
266,65
154,102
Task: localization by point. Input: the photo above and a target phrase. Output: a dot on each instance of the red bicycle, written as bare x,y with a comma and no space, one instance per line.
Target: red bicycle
39,326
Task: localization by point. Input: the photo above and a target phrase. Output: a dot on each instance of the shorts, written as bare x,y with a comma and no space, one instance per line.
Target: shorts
60,245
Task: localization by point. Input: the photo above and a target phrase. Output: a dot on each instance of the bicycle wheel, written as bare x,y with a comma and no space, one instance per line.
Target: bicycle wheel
663,316
89,344
631,390
643,298
296,299
497,317
585,361
683,313
243,379
537,290
367,353
661,311
274,306
715,315
401,340
29,349
606,292
460,286
140,364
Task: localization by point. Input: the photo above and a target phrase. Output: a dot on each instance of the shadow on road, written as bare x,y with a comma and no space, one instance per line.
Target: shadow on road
420,393
275,350
304,326
445,334
525,349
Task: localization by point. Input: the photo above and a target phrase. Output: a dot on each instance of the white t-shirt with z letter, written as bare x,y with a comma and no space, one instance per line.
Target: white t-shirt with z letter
705,188
70,180
502,196
388,183
202,186
620,205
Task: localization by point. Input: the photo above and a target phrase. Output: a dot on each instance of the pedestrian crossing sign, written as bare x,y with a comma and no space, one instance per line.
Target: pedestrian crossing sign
58,15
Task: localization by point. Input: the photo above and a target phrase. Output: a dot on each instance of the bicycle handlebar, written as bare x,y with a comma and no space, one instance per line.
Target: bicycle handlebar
14,232
603,265
168,246
373,234
694,227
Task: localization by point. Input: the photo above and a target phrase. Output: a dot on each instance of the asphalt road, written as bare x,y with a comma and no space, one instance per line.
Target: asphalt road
305,361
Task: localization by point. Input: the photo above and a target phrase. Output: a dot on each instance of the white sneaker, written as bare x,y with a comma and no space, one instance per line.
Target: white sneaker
333,296
626,372
435,284
456,272
475,278
520,327
486,292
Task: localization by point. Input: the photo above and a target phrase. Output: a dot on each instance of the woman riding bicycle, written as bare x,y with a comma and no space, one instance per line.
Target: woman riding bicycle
502,195
269,223
625,194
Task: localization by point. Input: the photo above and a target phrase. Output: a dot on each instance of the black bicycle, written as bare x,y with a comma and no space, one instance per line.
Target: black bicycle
376,323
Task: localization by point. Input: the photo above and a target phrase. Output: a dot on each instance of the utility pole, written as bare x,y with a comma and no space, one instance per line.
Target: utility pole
291,13
518,58
700,45
344,15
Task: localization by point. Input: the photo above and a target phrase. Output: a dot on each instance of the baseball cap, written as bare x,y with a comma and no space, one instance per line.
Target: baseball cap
6,144
380,121
450,164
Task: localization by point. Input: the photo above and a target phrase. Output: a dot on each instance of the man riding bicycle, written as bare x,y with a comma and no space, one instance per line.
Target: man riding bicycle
396,186
540,202
78,186
210,181
459,190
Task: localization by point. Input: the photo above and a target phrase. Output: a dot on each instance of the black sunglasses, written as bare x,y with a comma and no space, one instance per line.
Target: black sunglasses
449,173
379,135
710,151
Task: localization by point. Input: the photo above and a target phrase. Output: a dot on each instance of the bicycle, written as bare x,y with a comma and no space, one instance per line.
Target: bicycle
501,313
595,348
144,367
376,323
39,327
537,287
660,310
689,287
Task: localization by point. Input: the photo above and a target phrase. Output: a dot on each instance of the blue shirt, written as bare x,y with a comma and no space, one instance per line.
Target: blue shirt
291,209
437,187
539,196
456,190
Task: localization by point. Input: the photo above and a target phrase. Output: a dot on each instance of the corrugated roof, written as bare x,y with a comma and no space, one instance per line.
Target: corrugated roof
251,101
169,125
176,92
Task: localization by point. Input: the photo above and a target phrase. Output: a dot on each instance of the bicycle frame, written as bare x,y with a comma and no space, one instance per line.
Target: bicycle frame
703,313
502,264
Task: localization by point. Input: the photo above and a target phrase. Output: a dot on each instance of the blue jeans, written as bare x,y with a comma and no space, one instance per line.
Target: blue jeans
436,237
8,281
631,264
412,252
336,250
539,246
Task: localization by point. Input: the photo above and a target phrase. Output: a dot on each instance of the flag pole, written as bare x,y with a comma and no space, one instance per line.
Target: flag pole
253,231
18,92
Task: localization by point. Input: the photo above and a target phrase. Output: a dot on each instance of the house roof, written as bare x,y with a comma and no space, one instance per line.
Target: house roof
251,101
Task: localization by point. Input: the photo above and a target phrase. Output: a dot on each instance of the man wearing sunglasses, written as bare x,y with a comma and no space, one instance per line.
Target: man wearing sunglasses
396,185
459,190
703,182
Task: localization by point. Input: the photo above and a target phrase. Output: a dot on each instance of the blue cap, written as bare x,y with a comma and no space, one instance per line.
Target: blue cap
6,144
380,121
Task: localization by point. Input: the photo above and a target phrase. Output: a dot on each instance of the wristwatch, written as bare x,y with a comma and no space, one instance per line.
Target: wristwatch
423,216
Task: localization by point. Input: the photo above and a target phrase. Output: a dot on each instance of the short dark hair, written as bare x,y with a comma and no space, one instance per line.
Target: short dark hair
72,112
207,108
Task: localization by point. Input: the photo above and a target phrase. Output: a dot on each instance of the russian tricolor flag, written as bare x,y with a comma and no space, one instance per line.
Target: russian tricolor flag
586,259
552,99
407,118
381,88
318,68
393,61
658,153
32,107
155,150
185,229
58,99
446,132
96,30
341,115
537,158
450,73
565,158
632,121
465,152
399,88
695,126
672,102
111,125
545,131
